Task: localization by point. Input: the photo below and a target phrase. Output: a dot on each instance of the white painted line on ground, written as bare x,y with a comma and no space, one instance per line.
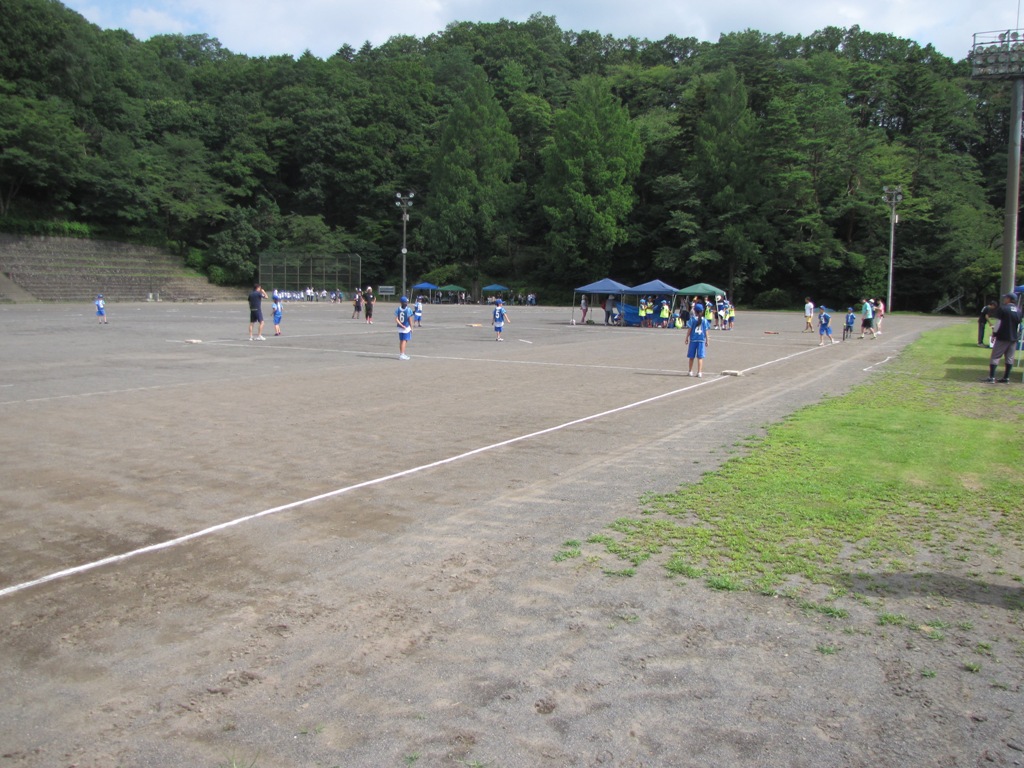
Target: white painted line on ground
338,492
881,362
376,481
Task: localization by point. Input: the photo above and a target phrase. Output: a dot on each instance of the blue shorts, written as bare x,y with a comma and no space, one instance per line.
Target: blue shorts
696,350
404,335
498,328
826,331
277,318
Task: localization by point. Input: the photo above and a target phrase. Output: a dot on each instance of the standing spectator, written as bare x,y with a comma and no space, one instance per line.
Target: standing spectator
583,309
368,301
609,305
879,315
697,340
357,305
867,318
499,318
824,326
403,319
278,307
256,311
809,316
101,310
984,320
1006,334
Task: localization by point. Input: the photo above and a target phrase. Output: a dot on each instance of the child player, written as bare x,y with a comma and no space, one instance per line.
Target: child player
824,326
697,340
278,307
101,309
851,318
403,319
500,317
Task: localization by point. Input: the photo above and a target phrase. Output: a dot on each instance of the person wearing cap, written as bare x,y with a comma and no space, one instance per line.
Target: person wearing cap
1007,319
368,304
697,340
498,319
403,319
824,326
867,319
417,312
851,319
101,309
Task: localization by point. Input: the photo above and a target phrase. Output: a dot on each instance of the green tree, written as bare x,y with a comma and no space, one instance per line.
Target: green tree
471,192
726,178
587,190
41,150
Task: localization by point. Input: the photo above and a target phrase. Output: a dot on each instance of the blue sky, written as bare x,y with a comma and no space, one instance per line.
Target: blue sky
270,27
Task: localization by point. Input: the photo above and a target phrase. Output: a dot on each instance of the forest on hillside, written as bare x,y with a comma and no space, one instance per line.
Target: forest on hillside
539,157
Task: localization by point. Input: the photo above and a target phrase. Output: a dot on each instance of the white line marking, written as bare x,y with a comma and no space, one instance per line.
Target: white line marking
376,481
881,362
524,341
338,492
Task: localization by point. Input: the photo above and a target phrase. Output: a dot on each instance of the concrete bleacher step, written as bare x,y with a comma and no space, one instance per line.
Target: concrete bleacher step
68,269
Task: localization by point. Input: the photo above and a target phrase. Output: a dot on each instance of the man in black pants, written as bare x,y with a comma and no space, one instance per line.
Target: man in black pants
1007,318
256,311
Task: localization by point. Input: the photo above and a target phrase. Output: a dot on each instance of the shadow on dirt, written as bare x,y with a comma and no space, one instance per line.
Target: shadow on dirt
941,585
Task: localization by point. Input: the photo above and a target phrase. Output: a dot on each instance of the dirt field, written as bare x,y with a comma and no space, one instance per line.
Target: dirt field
397,602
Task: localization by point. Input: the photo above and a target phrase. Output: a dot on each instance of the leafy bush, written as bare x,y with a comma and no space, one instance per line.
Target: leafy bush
776,298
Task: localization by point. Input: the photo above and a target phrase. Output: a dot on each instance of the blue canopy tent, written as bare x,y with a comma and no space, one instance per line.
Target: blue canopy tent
493,288
653,288
429,287
607,285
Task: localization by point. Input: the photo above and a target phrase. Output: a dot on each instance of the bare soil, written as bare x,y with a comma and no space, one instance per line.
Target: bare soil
411,611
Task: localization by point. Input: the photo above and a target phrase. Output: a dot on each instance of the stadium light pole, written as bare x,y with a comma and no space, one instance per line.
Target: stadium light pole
1000,56
892,196
404,203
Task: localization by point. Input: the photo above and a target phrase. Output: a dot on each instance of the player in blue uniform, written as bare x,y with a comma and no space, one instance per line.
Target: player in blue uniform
851,318
101,309
824,326
697,340
499,318
403,319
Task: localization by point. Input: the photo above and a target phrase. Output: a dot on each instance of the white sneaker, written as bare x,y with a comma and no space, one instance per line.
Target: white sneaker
251,338
404,357
689,373
260,338
700,375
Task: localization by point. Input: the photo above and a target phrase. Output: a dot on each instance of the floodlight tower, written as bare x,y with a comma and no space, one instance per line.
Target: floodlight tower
404,203
1000,56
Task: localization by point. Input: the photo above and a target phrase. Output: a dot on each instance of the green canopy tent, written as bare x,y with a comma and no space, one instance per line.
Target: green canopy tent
456,289
700,289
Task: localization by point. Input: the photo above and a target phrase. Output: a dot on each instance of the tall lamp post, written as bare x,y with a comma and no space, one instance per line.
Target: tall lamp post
892,196
359,280
404,203
999,55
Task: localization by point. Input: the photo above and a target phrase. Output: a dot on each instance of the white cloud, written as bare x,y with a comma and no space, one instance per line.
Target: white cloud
270,27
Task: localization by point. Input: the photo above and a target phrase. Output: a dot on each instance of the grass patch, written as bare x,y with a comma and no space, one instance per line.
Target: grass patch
810,506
